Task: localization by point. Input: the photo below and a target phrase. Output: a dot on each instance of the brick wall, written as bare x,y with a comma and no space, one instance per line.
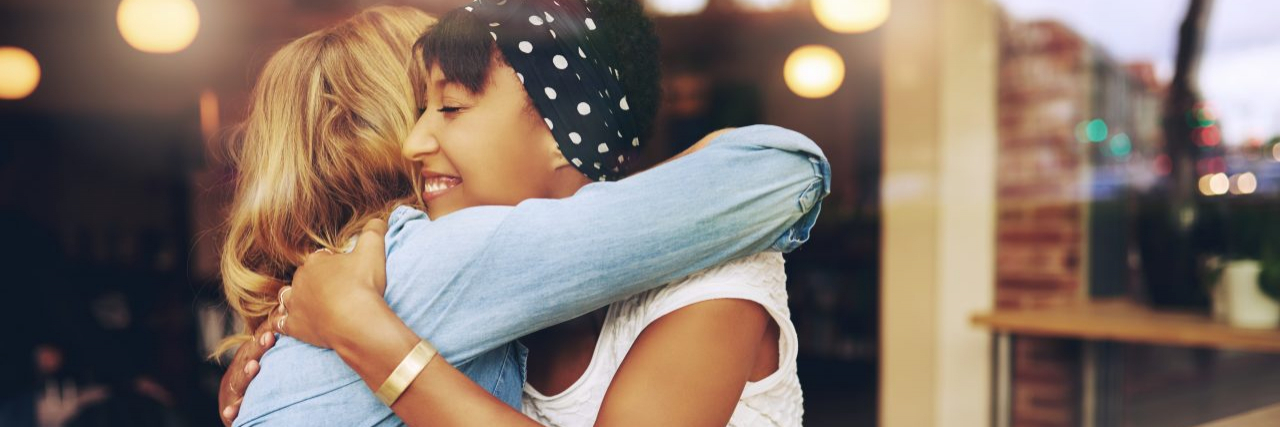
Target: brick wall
1045,90
1044,93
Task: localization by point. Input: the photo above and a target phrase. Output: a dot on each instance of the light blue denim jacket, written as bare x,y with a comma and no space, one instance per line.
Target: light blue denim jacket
475,281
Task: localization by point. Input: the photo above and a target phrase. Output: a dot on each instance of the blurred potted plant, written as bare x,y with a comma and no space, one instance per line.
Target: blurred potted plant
1244,279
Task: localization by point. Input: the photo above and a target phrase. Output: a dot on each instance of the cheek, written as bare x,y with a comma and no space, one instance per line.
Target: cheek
501,169
519,170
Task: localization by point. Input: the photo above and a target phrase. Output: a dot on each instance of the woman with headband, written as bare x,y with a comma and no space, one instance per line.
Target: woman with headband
499,132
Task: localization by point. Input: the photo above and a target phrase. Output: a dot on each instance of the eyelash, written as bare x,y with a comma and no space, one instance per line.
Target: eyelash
448,110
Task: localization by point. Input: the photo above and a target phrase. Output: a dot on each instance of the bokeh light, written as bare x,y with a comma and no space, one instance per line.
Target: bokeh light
1162,165
1216,184
1096,130
1082,132
1202,116
764,5
1245,183
19,73
851,16
676,7
1121,145
210,119
1219,183
158,26
1275,151
814,71
1209,136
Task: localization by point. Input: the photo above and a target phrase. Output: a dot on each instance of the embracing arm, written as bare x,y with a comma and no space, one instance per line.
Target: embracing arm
689,363
687,368
439,396
548,261
749,190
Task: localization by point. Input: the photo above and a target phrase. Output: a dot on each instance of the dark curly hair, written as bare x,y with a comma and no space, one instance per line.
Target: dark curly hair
461,46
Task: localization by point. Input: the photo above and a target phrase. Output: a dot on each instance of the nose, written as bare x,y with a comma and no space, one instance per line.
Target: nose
421,142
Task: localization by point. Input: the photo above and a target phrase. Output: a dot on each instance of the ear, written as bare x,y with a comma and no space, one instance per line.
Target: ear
558,160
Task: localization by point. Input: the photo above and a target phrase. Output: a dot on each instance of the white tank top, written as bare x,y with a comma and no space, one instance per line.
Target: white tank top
774,401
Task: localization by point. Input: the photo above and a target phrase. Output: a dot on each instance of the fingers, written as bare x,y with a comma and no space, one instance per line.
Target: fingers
265,337
282,297
276,320
239,374
230,412
238,378
239,382
322,252
250,371
375,226
372,241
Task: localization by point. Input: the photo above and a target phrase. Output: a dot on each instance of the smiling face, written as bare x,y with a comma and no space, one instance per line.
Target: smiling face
485,148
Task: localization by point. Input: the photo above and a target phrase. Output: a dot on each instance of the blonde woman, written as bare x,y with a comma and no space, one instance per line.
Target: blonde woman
471,276
318,155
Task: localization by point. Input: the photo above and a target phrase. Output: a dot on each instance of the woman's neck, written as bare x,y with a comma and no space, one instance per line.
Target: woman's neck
566,182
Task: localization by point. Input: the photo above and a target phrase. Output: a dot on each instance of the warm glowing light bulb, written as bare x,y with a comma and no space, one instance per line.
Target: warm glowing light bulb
814,71
1219,183
158,26
764,5
851,16
19,73
1203,185
677,7
1245,183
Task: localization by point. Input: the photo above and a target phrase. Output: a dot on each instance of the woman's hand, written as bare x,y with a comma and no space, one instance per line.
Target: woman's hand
244,366
332,293
327,281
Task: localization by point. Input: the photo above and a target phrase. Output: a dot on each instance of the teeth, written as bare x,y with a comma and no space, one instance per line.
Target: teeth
440,184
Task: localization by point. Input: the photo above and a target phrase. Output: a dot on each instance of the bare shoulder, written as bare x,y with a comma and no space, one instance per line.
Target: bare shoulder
692,363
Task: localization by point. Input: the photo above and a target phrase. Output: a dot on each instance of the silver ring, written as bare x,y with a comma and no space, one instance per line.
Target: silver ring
280,298
283,308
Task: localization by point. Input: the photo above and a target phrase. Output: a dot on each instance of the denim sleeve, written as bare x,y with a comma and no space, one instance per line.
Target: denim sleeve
752,189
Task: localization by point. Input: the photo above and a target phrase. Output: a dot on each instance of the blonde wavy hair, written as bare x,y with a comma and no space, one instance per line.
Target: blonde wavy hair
319,154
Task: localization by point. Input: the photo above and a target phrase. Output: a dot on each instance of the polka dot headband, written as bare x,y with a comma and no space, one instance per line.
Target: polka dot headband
567,67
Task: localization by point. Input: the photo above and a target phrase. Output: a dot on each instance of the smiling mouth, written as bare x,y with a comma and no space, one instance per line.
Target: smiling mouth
438,185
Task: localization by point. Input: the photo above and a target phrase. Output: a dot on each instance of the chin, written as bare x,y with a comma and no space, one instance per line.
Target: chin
436,211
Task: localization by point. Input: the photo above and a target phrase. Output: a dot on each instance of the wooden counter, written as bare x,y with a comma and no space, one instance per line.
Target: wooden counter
1262,417
1124,321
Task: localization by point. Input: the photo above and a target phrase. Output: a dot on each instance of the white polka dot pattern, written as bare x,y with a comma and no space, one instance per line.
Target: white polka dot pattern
566,71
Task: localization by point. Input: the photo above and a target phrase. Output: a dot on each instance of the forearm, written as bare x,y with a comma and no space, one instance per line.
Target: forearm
375,350
439,396
443,396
